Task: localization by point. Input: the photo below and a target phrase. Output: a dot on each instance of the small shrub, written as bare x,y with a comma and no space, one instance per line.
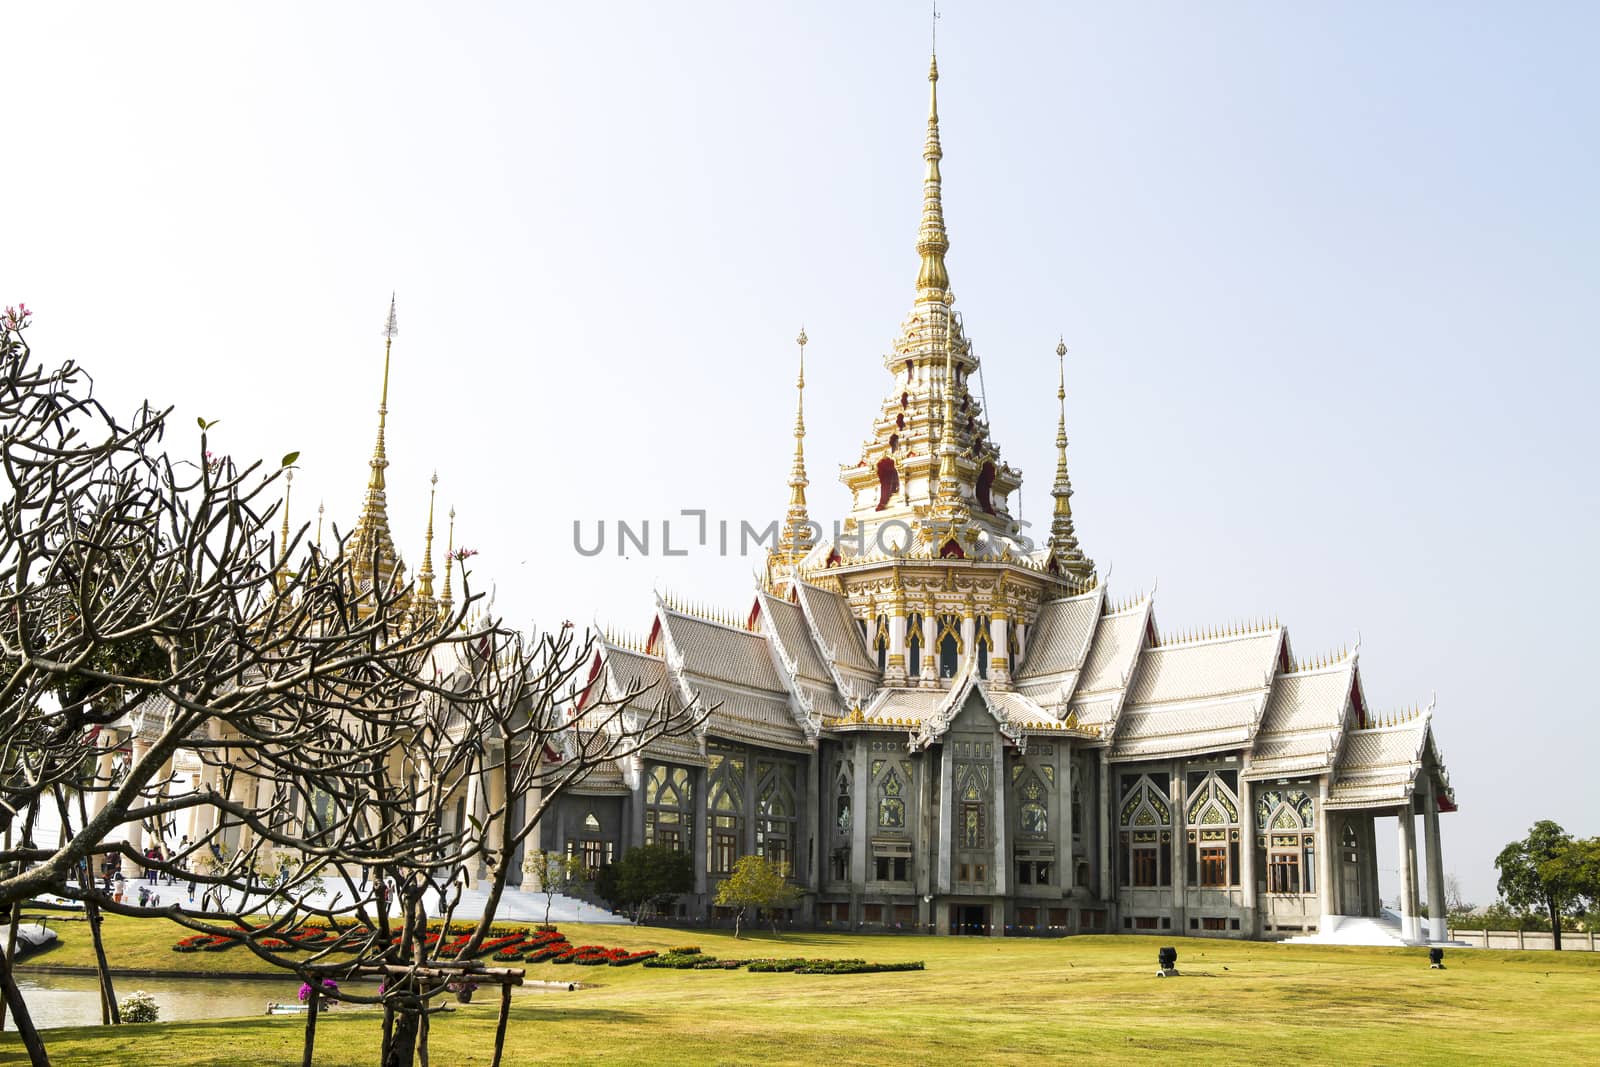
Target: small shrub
140,1007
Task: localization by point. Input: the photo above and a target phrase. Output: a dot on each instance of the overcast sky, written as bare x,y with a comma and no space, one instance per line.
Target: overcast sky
1328,274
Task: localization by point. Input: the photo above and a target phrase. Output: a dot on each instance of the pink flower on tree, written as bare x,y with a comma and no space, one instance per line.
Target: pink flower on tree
16,318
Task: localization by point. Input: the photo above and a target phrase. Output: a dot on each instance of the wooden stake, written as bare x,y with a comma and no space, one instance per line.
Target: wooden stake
500,1027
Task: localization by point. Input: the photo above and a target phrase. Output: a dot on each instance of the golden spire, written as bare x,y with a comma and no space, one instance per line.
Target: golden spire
319,525
446,601
949,503
283,534
1064,546
371,535
932,242
797,526
425,574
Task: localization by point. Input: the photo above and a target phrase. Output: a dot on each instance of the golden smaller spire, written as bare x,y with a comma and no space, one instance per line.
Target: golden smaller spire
933,280
319,525
425,573
283,534
1063,537
446,601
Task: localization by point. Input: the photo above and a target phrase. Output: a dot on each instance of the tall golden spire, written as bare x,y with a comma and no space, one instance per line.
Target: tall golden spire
1064,547
371,537
932,242
948,501
425,573
283,534
797,526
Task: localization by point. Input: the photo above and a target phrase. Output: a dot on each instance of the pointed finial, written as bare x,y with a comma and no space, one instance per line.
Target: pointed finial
933,281
446,601
319,525
283,536
425,572
796,538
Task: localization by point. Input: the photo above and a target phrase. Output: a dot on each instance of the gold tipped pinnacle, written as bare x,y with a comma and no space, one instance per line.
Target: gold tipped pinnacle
932,241
446,600
797,524
425,572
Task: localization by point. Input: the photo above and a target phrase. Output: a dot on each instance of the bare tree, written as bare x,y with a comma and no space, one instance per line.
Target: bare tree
337,719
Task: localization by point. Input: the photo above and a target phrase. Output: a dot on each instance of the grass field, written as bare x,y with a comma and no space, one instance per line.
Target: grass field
979,1001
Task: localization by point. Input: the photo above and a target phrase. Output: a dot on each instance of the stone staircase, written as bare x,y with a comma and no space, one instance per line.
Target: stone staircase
519,906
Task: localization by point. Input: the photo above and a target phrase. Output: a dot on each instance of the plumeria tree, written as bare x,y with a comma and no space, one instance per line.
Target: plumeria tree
149,616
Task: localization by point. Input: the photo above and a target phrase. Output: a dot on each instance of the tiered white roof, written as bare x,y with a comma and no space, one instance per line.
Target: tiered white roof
1093,671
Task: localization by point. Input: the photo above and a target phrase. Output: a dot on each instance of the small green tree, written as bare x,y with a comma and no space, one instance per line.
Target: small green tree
650,876
1550,871
756,882
552,873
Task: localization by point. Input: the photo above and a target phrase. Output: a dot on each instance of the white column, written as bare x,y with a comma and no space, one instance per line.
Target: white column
860,811
134,831
895,672
1325,846
930,646
1107,819
1002,824
813,826
1000,648
1178,793
1408,874
969,633
1066,865
1247,856
947,829
1437,916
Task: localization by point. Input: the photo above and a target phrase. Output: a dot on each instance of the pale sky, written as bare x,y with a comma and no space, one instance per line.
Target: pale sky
1328,275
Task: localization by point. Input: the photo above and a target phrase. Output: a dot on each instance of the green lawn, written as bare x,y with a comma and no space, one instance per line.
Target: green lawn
979,1001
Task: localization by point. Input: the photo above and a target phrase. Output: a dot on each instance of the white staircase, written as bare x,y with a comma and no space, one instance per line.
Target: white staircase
1384,932
519,906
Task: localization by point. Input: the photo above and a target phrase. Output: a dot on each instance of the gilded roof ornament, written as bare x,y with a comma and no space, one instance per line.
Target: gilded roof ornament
1064,545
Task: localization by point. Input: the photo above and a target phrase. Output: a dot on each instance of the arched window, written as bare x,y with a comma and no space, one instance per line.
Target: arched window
949,645
952,550
725,810
775,813
894,442
1213,831
888,482
986,486
669,807
1286,836
880,642
591,823
914,644
1145,825
972,791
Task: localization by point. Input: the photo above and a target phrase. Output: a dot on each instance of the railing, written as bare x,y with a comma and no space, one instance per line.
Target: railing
1524,939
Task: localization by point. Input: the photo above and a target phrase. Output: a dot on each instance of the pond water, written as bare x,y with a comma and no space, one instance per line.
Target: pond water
74,1000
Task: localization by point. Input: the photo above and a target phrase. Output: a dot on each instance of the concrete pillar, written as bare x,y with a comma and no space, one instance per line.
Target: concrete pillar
133,831
1325,852
1436,904
969,632
104,768
860,812
930,649
698,844
1002,835
475,800
811,826
1408,874
1178,793
1021,630
1107,818
895,671
947,827
1066,866
1247,857
495,790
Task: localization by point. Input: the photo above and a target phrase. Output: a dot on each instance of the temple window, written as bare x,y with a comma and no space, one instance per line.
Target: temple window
888,482
1145,825
1213,831
1033,816
952,550
1286,833
591,823
775,814
983,643
669,812
725,811
972,830
880,642
949,645
894,442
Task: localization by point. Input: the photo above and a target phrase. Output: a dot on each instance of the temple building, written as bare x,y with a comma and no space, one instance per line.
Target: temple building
931,723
